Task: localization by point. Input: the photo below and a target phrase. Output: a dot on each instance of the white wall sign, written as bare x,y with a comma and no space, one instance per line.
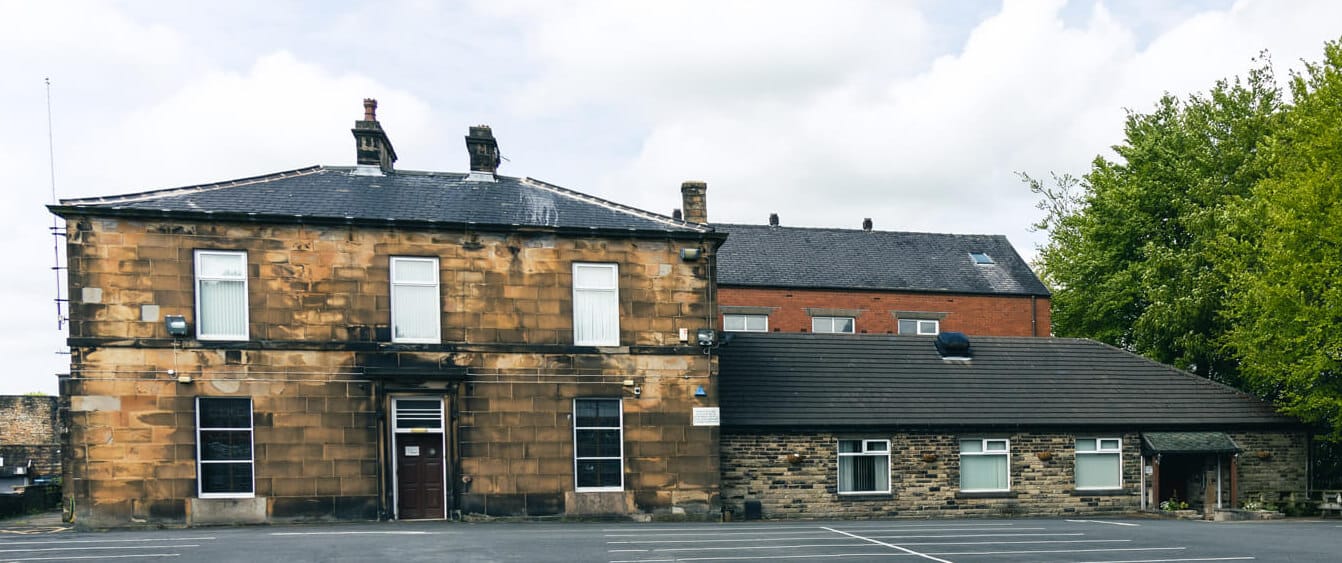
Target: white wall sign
706,416
411,451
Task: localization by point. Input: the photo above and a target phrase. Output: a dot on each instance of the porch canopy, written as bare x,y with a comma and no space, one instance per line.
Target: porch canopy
1188,443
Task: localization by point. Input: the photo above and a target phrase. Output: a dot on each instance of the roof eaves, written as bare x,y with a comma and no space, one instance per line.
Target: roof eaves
198,188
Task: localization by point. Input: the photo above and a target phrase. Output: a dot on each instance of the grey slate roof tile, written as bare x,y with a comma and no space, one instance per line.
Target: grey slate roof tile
346,193
775,256
807,380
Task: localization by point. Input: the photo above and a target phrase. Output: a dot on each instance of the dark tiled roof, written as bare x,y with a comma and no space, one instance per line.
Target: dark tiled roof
761,255
350,193
1188,443
799,380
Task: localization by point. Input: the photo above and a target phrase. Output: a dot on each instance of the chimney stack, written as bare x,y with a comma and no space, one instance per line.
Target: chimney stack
866,224
693,200
773,219
483,149
371,145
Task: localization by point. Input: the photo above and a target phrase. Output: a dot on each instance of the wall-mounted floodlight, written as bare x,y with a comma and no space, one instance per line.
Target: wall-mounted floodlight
706,337
176,325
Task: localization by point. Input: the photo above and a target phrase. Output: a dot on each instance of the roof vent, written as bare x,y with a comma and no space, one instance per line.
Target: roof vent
953,346
773,219
866,224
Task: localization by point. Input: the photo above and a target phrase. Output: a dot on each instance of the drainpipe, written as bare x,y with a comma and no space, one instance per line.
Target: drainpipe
380,399
1218,481
1034,317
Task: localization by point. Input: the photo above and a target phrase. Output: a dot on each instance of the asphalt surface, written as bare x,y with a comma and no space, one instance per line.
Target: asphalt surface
958,541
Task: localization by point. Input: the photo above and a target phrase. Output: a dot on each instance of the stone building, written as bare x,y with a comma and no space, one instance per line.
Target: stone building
869,426
774,278
365,342
29,440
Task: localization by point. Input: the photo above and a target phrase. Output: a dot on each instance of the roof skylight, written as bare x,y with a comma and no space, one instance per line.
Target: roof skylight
981,258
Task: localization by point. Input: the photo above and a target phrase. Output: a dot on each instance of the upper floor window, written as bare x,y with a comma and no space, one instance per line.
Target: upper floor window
745,323
414,300
985,465
221,295
864,466
832,324
224,447
1099,463
596,305
919,326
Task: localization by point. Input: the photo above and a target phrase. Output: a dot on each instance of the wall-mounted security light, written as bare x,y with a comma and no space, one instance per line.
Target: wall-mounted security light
690,254
706,337
176,325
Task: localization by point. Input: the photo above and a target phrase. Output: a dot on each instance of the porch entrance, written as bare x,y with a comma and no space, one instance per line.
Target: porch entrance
1196,468
420,458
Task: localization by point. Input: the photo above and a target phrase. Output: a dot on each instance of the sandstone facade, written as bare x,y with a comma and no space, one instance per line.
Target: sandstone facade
30,433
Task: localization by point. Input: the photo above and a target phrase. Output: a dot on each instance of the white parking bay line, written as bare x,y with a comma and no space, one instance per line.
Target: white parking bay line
890,545
1174,560
382,533
1027,551
68,542
137,556
1103,522
94,548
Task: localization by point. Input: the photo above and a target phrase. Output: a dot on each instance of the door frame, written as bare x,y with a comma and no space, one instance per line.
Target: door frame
395,444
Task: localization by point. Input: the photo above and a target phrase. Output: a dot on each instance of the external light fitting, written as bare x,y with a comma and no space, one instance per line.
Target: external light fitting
176,325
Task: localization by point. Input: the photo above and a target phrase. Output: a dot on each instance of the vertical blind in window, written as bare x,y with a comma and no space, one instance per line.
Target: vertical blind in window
864,466
596,308
221,295
1099,463
598,444
414,300
224,447
984,465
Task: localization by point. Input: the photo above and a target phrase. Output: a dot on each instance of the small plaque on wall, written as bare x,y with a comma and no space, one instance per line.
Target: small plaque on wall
411,451
706,416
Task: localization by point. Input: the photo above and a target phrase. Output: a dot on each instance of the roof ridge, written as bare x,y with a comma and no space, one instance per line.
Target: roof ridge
615,206
847,230
167,192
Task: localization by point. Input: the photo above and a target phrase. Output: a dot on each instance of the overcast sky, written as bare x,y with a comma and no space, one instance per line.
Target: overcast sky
915,114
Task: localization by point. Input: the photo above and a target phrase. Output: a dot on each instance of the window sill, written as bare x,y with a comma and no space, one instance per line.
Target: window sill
1100,492
986,494
866,496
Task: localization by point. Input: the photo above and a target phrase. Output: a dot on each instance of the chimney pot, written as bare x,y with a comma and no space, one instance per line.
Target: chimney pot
694,200
773,219
372,147
675,214
483,149
866,224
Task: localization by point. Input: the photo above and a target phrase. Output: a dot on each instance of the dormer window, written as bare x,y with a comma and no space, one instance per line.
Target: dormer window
981,258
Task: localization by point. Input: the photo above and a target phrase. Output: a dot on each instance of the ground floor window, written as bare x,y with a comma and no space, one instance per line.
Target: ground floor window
984,465
1099,463
864,466
224,447
598,444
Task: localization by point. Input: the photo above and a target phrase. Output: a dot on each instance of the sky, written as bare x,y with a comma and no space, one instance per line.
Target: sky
916,114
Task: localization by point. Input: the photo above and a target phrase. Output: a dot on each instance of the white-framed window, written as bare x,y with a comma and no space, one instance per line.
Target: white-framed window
745,323
864,466
224,447
598,444
221,295
985,465
596,304
415,313
832,324
923,327
1099,463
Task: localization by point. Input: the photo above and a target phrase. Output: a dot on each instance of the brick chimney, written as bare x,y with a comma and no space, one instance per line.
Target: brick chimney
693,200
372,147
483,149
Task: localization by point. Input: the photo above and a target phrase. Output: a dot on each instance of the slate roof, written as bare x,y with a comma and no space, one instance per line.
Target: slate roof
809,381
335,193
1188,443
769,256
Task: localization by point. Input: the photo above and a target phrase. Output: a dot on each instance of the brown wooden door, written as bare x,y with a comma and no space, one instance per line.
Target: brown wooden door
419,476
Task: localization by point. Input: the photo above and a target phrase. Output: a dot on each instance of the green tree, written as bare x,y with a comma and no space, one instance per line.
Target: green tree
1132,259
1286,295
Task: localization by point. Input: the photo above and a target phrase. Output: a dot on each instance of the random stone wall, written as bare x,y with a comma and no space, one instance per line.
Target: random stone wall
318,307
924,473
975,315
1272,465
30,432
